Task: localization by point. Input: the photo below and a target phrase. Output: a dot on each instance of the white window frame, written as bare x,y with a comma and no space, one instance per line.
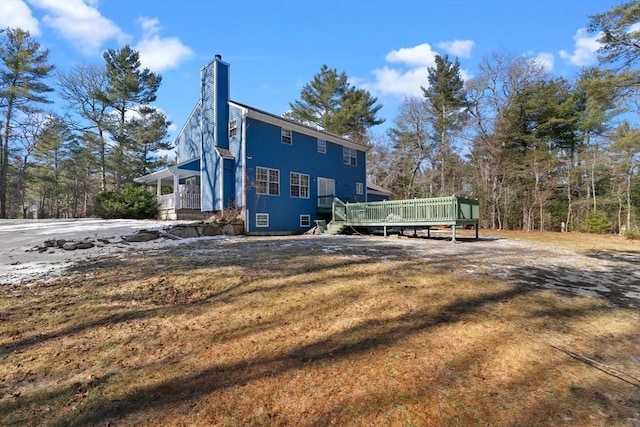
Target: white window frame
359,188
269,182
349,156
233,127
305,220
286,136
322,146
300,177
262,220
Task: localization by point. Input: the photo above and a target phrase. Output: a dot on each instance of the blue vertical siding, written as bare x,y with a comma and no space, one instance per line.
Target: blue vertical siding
188,141
265,149
214,118
235,147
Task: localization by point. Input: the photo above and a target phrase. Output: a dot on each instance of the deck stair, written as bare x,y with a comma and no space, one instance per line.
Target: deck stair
335,227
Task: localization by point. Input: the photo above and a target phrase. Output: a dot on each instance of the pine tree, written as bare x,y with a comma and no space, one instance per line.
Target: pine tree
447,102
24,66
331,103
129,87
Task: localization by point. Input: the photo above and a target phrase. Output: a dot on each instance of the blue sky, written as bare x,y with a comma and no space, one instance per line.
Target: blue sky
276,46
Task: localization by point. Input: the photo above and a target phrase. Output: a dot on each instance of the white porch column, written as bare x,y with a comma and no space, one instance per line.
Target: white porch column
159,187
176,190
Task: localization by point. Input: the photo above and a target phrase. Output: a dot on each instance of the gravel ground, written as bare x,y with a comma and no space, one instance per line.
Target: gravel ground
613,277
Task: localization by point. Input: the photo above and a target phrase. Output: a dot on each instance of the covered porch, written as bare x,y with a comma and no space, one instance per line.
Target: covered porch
177,190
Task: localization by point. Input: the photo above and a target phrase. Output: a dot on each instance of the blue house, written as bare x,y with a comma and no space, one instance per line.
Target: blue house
277,174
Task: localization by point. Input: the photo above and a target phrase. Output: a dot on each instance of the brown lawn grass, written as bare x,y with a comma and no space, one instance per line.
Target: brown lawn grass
287,337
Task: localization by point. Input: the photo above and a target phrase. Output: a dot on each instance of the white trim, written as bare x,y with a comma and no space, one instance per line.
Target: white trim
268,181
286,133
308,222
243,167
299,185
324,146
262,214
300,128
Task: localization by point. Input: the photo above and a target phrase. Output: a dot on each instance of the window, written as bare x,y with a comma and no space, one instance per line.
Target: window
299,185
233,127
262,220
322,146
359,188
305,220
286,136
349,156
268,181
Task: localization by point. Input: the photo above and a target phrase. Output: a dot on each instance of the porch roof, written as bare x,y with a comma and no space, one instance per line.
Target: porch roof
165,176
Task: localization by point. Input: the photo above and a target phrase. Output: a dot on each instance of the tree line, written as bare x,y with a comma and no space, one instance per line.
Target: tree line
539,152
105,133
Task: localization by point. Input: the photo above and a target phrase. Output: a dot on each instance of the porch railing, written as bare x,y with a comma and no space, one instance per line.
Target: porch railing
185,201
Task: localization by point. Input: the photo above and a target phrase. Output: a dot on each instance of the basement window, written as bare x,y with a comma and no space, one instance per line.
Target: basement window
262,220
305,220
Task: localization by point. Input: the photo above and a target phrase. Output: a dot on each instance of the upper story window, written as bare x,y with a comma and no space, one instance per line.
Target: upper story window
268,181
359,188
287,136
233,127
349,156
299,185
322,146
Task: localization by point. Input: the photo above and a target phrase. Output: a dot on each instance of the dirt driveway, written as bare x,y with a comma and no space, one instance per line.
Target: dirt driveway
612,276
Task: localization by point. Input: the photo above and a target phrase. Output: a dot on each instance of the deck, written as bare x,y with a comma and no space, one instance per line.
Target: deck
425,213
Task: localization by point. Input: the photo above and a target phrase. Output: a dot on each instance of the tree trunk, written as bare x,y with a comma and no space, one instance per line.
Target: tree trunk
4,162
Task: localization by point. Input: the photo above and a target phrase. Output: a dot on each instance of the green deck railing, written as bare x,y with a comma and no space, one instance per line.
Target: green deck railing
432,211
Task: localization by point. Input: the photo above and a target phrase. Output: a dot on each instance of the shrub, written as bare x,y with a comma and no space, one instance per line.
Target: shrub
134,202
632,235
598,222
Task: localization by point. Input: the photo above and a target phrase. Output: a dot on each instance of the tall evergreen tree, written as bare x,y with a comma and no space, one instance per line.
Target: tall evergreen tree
330,102
24,65
447,102
620,34
129,87
149,134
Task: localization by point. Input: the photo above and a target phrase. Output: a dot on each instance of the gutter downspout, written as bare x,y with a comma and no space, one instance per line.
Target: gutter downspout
243,169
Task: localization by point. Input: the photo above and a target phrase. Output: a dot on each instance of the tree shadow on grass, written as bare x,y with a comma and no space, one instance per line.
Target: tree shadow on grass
361,338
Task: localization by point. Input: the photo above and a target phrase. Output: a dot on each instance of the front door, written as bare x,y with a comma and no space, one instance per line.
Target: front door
326,192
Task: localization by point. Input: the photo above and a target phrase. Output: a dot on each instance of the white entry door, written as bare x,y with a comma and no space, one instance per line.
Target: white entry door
326,192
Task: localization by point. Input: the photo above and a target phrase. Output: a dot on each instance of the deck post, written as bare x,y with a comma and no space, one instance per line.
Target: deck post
453,236
477,226
385,230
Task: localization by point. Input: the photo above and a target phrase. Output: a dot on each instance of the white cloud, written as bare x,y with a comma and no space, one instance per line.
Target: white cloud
546,60
397,82
585,49
81,23
421,55
405,77
460,48
16,14
407,72
156,53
